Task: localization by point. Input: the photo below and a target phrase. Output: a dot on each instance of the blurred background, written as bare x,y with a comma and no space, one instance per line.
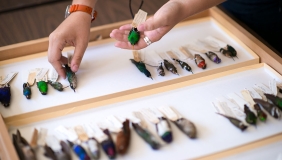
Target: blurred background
24,20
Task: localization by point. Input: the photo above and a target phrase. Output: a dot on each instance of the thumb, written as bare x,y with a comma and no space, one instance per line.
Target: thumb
151,24
78,55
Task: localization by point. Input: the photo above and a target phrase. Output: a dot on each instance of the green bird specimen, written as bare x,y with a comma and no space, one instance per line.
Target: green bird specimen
56,85
236,122
275,100
250,116
142,68
133,36
43,87
71,77
261,115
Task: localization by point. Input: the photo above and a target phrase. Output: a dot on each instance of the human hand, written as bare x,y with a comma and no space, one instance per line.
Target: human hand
154,28
73,31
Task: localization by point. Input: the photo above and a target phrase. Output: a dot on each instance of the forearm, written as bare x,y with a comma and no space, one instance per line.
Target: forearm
190,7
90,3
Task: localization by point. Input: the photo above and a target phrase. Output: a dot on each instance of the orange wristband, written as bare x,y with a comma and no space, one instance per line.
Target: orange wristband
78,7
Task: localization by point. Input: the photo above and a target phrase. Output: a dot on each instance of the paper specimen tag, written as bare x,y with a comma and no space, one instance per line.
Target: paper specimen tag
42,136
33,142
236,109
40,74
139,115
260,92
196,48
71,136
273,86
136,56
238,100
53,75
153,58
247,97
215,42
263,88
31,77
223,108
88,130
69,56
133,118
114,124
8,78
187,53
53,143
169,113
150,116
254,94
139,18
81,133
172,56
98,133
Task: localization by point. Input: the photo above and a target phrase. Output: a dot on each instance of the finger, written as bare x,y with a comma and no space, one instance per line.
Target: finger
126,45
79,50
55,57
126,27
120,35
151,24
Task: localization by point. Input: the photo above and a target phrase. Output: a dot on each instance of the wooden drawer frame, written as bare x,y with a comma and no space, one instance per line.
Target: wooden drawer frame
37,48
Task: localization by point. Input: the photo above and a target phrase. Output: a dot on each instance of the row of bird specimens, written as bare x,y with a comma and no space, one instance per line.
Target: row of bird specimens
245,108
78,137
193,51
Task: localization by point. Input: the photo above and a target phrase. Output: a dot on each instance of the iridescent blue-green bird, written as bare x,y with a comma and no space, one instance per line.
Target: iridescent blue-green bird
26,90
71,77
142,68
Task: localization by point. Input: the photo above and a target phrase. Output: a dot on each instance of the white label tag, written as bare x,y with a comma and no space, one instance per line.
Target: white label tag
81,133
254,94
42,136
142,122
139,18
40,74
169,113
196,48
69,55
114,124
247,96
8,78
53,143
71,136
273,86
223,108
133,118
215,42
186,53
263,88
260,92
152,58
150,116
234,98
99,135
172,56
53,75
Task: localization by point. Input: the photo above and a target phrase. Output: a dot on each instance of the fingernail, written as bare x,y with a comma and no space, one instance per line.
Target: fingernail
74,68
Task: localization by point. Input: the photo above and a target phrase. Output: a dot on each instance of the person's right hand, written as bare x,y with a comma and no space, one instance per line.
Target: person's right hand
154,28
73,31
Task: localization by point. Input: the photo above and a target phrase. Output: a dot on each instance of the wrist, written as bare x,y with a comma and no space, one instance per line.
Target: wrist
90,3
